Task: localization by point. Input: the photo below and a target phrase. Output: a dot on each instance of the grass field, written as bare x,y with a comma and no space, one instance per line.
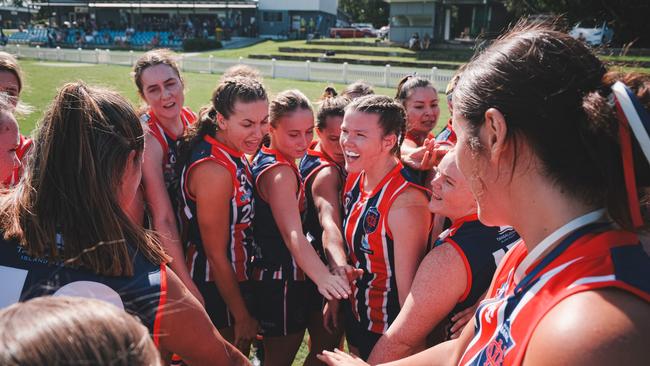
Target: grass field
42,80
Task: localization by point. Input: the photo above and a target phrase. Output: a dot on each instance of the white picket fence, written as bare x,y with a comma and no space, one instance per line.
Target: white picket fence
386,76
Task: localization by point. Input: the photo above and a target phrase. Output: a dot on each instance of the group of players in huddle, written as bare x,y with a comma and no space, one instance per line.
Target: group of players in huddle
376,231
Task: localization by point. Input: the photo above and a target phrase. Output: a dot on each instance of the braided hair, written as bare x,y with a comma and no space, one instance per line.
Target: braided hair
392,117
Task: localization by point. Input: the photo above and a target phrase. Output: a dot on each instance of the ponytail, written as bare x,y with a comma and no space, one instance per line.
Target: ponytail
558,98
627,110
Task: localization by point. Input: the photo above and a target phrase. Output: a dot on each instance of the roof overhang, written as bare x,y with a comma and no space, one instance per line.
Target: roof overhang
159,5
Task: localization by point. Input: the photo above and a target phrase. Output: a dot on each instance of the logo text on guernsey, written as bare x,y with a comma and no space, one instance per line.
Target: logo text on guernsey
365,246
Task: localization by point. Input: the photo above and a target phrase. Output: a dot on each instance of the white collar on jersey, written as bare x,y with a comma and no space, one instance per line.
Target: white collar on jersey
545,245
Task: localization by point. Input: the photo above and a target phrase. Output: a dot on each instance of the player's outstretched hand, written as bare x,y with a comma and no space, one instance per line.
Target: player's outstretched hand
341,358
333,287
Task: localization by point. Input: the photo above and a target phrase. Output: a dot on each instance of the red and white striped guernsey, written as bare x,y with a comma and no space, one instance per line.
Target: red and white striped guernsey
241,211
592,255
370,245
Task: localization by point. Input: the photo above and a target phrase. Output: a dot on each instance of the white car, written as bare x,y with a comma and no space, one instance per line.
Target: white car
592,32
367,26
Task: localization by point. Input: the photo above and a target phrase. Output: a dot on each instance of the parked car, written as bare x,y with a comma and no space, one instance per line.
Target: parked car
350,33
593,32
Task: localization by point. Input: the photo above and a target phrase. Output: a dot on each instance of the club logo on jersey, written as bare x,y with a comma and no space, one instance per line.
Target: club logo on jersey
495,352
371,220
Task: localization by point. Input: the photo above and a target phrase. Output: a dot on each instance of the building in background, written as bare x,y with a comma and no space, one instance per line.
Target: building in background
445,20
296,18
160,15
12,16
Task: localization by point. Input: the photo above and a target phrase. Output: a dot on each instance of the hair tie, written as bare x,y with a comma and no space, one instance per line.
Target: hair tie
631,116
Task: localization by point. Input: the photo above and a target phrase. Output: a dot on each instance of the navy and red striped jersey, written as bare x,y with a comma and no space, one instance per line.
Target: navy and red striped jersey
592,257
241,210
273,260
25,277
312,163
168,142
481,248
370,245
447,136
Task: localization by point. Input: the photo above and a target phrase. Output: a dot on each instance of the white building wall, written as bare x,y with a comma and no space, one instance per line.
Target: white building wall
327,6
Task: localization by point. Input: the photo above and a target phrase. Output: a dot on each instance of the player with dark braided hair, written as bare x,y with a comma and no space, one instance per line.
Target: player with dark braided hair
386,221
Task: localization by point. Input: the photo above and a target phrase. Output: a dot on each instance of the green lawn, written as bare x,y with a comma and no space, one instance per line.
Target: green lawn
386,59
265,47
42,80
626,58
271,46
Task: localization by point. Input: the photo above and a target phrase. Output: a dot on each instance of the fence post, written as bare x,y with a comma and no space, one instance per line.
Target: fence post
308,67
108,56
241,59
79,54
210,63
131,57
18,50
96,55
38,52
387,75
59,53
434,72
273,68
345,73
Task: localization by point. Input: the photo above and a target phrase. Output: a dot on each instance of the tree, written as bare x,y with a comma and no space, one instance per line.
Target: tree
366,11
629,18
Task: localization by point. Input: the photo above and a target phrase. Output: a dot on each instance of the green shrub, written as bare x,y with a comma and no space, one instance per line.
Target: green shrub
200,44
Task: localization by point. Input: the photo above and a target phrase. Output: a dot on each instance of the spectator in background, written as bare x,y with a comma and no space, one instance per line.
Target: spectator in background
414,42
426,41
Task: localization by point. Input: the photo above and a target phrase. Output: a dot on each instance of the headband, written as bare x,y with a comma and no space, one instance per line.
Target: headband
631,116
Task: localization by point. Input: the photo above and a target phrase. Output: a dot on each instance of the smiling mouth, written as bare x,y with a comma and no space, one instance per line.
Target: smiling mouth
435,196
169,105
351,155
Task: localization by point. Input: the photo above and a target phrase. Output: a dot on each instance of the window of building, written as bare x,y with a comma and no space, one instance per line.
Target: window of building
423,20
272,16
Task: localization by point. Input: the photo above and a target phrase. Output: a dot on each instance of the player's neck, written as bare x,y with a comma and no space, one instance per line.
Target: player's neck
378,171
551,208
173,125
